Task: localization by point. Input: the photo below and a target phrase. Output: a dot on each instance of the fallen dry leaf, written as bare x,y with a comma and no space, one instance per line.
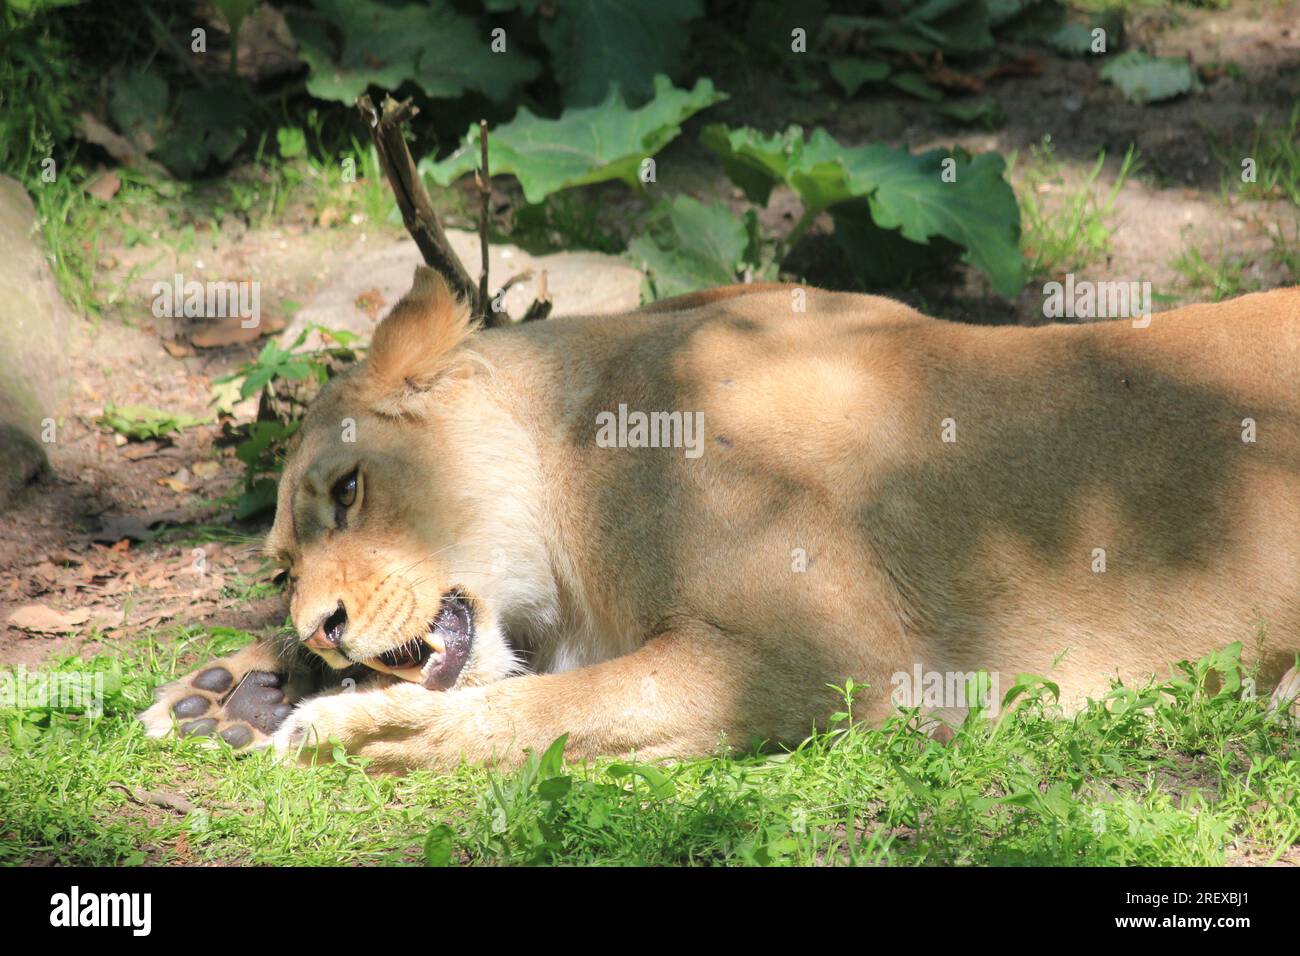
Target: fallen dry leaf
1029,65
40,619
177,349
951,79
104,186
117,146
231,331
179,482
137,451
154,617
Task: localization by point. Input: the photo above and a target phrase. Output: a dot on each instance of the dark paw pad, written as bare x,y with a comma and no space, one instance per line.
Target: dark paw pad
258,700
191,706
238,735
215,679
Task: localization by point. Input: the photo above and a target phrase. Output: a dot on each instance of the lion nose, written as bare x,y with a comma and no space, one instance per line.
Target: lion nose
329,634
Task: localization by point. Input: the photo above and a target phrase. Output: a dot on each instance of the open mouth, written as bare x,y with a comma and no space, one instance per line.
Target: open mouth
436,657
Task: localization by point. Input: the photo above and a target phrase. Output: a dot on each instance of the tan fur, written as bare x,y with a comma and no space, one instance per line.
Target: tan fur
656,600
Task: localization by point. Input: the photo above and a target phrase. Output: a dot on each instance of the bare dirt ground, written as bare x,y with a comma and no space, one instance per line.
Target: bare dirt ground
86,552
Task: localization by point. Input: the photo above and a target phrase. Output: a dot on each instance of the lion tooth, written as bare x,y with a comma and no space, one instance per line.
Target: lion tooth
438,646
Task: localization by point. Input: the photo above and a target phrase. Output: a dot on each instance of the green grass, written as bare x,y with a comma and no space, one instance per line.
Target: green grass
164,215
1069,230
1220,277
1275,148
330,178
1223,275
316,186
1171,775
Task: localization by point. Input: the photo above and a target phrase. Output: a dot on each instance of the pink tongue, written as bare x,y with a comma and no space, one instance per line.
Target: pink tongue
454,630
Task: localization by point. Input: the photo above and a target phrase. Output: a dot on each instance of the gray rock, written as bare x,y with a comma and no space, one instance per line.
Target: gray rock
22,459
34,331
579,283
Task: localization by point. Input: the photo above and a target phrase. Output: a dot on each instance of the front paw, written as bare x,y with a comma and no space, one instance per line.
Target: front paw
311,731
226,700
401,727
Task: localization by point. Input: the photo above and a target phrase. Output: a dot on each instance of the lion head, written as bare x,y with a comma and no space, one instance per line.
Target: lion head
393,534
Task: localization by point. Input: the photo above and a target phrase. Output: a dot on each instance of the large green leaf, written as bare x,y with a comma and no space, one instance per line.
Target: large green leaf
981,111
851,74
138,107
877,258
956,27
814,168
596,44
754,162
1143,78
444,52
927,26
1075,38
976,209
1002,11
585,145
692,246
210,125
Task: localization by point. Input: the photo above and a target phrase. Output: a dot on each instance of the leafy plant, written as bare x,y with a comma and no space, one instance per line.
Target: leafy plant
1065,234
1076,37
40,83
919,46
585,145
140,422
1144,78
525,810
431,44
278,416
982,111
912,28
940,194
690,245
235,13
637,41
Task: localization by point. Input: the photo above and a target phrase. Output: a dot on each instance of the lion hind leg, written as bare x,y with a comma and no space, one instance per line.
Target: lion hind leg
241,699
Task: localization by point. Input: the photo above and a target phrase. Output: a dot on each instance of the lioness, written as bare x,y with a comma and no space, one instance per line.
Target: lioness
870,492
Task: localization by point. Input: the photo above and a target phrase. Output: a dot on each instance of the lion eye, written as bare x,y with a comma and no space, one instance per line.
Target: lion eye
344,491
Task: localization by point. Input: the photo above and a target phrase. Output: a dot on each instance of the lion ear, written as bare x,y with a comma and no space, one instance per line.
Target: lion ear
412,347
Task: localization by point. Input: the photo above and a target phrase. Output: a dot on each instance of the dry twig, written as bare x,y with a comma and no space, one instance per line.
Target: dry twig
422,222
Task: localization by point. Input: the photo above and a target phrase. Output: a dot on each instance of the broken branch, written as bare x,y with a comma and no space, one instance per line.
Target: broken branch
483,176
422,222
417,210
